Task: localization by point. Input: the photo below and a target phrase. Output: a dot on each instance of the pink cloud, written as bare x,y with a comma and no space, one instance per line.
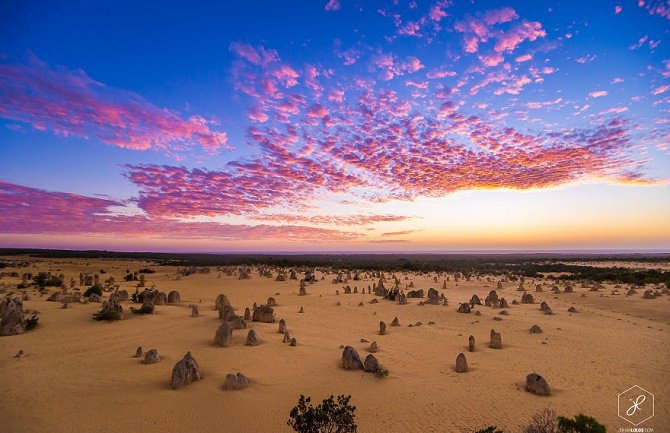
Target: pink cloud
437,13
35,211
339,220
317,110
526,30
502,15
332,5
598,93
70,103
617,9
257,55
661,89
524,58
656,7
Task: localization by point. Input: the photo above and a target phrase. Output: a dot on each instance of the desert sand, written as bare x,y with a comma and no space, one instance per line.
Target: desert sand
79,375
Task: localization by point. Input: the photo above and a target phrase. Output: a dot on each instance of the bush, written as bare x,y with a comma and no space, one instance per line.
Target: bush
542,422
32,322
329,417
489,429
581,424
93,289
146,271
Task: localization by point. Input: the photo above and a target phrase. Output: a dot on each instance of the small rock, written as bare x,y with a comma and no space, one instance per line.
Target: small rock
236,381
151,357
252,338
536,384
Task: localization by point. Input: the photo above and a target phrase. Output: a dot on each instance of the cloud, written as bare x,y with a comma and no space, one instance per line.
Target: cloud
332,5
34,211
70,103
338,220
399,233
598,93
661,89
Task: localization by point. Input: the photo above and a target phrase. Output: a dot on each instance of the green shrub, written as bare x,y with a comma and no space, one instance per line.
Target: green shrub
93,289
329,417
32,322
581,424
489,429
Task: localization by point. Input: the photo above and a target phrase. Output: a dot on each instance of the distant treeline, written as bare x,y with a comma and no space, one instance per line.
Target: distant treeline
521,264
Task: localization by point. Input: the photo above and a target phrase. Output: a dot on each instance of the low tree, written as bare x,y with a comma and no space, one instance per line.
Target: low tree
489,429
330,416
580,424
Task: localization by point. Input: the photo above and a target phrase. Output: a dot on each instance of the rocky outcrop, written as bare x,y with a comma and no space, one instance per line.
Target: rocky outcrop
185,372
371,365
151,357
12,321
221,302
252,338
350,359
263,313
536,384
461,363
236,381
224,335
496,340
464,308
382,328
111,310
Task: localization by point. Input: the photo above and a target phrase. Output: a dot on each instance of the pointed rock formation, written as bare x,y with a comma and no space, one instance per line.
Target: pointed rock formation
371,365
151,357
471,343
350,359
461,363
185,372
252,338
496,340
224,335
464,308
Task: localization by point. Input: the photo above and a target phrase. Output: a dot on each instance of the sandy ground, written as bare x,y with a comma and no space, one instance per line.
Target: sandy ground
79,375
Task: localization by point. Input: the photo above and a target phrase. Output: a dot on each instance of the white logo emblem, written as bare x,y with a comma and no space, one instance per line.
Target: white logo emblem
636,405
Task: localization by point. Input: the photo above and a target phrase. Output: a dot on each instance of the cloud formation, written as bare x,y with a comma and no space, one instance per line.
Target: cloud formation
35,211
70,103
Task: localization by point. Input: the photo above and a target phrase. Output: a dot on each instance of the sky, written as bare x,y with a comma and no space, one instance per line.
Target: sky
335,125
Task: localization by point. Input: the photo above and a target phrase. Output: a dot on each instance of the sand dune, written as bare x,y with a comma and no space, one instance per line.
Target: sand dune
79,375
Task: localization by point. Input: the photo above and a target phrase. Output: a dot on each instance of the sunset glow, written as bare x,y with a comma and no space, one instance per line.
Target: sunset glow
336,126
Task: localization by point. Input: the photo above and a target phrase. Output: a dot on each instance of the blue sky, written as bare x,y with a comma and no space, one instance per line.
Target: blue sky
542,79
